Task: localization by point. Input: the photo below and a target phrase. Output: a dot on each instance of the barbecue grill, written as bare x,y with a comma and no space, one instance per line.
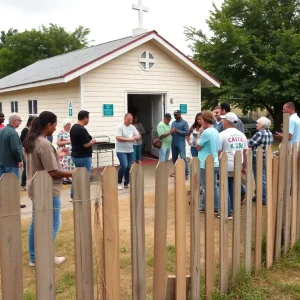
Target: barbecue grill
104,146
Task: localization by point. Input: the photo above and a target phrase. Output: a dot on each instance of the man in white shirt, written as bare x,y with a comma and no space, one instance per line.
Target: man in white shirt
126,135
294,123
233,140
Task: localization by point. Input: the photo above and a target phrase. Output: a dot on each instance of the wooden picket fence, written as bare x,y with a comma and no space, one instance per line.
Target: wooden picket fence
282,228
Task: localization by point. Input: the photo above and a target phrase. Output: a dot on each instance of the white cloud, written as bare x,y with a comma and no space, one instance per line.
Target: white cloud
109,20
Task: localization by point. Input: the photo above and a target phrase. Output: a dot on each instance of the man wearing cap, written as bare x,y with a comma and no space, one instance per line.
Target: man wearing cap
225,108
181,129
233,140
164,132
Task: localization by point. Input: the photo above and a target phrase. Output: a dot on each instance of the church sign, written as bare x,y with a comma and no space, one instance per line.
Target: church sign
183,108
108,110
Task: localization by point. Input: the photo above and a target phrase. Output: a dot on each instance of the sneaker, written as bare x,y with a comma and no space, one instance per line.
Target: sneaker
187,177
120,187
173,175
126,186
24,188
230,217
71,200
216,213
31,264
22,205
59,260
202,210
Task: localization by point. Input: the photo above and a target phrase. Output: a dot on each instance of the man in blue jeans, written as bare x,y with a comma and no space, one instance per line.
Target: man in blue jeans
82,143
11,147
233,140
125,136
180,129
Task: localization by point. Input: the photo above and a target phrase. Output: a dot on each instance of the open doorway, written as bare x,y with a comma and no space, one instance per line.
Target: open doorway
150,110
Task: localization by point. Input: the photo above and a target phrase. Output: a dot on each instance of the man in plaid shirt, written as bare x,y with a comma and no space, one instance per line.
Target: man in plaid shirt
262,138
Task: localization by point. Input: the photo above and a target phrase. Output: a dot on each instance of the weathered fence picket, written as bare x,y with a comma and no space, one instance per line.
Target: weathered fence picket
83,235
180,228
137,218
43,235
195,229
111,234
287,202
10,239
270,205
209,227
294,194
236,236
248,229
223,187
275,166
160,230
258,217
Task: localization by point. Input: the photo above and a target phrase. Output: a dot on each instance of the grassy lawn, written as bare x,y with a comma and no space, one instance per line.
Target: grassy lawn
281,282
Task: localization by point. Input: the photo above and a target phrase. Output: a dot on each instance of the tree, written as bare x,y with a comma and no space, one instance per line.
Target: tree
21,49
255,51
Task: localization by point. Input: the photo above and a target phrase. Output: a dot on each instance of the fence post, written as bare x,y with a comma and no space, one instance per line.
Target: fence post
223,186
137,220
274,201
10,239
281,176
236,239
258,219
298,196
270,205
249,192
43,235
111,234
180,228
294,193
195,229
160,230
83,235
209,226
288,200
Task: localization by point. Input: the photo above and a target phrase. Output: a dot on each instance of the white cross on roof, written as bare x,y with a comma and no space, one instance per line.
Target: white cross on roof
141,9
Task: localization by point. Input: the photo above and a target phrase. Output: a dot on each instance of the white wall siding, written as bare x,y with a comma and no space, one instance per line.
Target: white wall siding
54,98
109,83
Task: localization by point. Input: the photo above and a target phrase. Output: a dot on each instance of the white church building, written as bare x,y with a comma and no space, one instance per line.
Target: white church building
143,74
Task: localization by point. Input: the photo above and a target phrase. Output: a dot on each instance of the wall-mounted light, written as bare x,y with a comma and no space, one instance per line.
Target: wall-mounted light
172,101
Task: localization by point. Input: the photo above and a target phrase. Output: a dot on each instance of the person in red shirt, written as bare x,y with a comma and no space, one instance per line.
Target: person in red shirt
2,119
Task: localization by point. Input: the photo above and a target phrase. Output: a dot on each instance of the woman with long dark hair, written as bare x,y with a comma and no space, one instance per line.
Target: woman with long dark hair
40,155
194,134
22,138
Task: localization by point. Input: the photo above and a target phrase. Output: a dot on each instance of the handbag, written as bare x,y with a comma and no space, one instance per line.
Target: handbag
156,142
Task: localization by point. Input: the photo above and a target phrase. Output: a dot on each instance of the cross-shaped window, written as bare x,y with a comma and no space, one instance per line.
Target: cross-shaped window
146,61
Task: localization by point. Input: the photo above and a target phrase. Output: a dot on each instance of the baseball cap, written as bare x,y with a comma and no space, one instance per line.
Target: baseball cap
168,116
231,117
177,112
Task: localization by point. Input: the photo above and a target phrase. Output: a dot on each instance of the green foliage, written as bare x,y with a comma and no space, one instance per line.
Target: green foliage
254,50
20,49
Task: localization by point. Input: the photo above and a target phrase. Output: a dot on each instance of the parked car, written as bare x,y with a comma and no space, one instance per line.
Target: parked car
249,125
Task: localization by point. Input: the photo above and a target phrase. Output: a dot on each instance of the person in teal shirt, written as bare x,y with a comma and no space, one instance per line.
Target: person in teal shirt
164,132
208,144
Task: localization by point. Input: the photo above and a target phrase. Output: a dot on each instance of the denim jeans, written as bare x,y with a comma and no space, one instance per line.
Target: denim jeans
230,194
179,149
84,162
216,189
194,151
56,225
137,152
264,185
164,154
23,178
7,170
125,165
